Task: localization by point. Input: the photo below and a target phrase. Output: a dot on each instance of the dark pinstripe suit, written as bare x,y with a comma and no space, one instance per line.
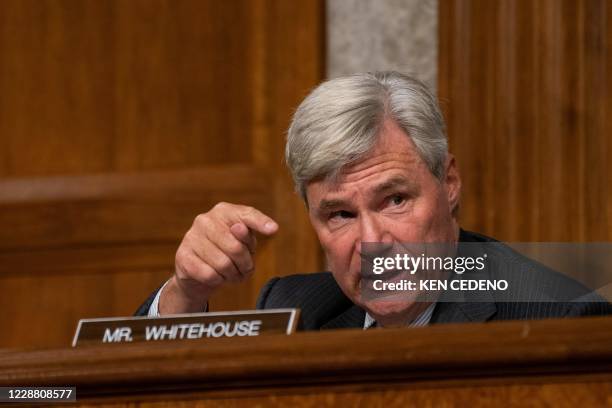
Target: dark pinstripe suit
324,306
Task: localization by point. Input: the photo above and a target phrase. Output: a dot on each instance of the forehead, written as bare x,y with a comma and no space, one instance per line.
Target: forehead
394,158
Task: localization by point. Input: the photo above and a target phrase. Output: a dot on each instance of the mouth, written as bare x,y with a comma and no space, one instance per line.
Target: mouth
368,281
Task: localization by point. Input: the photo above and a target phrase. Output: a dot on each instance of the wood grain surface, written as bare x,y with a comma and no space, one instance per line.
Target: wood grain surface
528,99
533,363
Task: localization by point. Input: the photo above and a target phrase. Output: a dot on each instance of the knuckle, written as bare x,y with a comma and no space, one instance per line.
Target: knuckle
225,263
234,247
214,279
221,206
247,211
201,220
209,275
187,239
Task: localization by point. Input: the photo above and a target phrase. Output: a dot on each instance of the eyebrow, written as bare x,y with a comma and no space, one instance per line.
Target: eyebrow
326,205
389,185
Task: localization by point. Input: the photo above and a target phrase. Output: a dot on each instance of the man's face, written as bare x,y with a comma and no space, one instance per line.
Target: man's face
390,196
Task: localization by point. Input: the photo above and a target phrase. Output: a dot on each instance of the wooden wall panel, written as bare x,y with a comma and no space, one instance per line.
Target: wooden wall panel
120,121
124,85
528,100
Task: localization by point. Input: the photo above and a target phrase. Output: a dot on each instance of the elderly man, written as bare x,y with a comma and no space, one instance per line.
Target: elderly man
369,156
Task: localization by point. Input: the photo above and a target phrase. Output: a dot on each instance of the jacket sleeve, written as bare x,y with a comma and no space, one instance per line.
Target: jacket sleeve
143,310
264,292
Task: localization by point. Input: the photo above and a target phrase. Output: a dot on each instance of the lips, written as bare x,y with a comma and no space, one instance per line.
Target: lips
388,276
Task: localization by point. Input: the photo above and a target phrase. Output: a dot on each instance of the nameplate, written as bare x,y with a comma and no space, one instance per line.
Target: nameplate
196,326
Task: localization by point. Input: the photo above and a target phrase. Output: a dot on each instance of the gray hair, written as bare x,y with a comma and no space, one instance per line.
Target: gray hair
338,123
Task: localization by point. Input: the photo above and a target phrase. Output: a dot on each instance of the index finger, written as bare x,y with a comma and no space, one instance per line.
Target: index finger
258,221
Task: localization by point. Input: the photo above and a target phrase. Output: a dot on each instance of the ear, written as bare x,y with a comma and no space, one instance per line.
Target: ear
452,183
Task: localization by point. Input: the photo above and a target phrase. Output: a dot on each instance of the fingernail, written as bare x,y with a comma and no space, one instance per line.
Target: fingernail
270,226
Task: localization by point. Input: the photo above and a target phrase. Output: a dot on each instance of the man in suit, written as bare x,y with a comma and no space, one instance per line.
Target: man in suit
369,156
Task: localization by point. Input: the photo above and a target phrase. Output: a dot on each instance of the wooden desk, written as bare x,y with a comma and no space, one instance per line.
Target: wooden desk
533,363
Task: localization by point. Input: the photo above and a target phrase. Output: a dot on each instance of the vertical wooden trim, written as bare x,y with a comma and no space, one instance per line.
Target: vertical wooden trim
527,100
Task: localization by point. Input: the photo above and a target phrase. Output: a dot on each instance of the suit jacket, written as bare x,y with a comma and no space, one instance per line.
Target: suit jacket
324,306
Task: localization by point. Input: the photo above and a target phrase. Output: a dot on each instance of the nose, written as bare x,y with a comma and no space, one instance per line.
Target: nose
373,230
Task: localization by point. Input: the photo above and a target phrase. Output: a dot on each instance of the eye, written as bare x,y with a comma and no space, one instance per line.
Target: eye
342,214
397,199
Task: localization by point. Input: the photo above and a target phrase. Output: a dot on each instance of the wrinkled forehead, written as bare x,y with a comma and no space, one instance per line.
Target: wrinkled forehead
394,155
383,175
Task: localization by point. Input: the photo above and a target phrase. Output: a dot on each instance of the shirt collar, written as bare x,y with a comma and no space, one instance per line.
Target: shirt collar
421,320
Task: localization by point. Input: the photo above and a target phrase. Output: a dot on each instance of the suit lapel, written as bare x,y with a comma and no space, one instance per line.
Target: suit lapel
468,306
471,306
351,318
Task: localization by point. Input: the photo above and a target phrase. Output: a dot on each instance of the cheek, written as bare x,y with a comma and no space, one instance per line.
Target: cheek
338,246
344,263
428,218
337,252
